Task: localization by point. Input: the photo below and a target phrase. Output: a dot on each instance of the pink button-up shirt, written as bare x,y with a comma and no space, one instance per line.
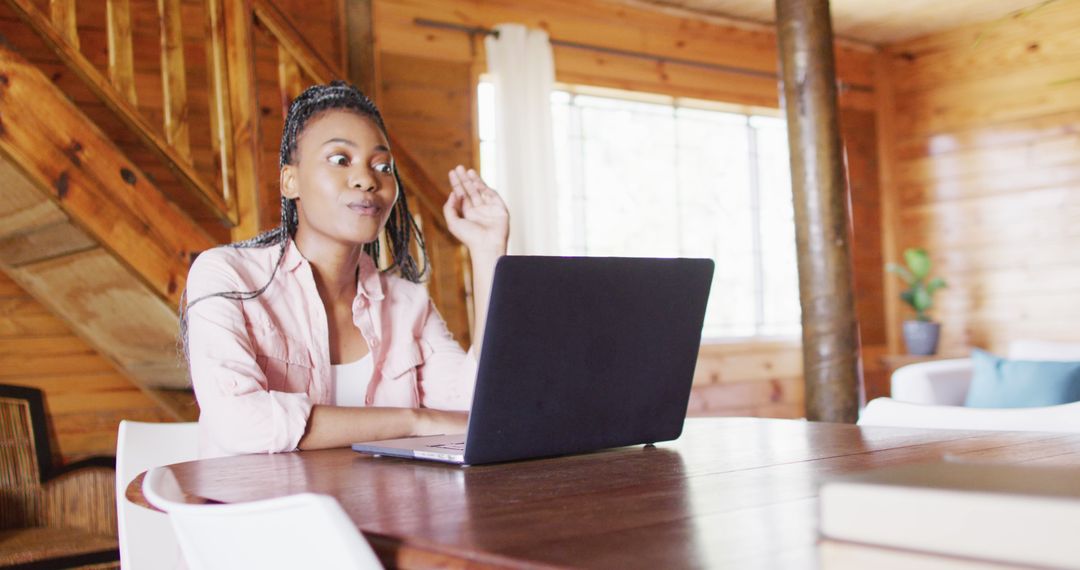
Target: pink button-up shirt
258,366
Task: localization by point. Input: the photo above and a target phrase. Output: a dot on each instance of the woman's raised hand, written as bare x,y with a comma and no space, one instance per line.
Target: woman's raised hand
476,214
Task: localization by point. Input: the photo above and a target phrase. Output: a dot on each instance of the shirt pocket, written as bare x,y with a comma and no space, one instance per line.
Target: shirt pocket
285,361
400,374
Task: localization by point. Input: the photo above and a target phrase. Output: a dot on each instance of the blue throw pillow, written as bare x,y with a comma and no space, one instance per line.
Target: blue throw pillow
1002,383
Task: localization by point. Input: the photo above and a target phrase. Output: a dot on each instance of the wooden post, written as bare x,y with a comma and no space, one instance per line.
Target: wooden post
173,78
830,331
62,13
240,56
290,84
121,66
217,80
362,64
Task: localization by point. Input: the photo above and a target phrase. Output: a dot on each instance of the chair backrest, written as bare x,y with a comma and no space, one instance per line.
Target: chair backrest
146,537
1063,418
25,453
298,531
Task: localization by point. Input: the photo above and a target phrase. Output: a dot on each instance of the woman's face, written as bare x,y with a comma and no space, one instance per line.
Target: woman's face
342,177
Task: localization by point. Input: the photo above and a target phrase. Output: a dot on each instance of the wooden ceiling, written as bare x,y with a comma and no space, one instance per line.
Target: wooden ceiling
878,22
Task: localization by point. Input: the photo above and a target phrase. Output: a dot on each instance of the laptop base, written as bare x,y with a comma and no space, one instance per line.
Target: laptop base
432,448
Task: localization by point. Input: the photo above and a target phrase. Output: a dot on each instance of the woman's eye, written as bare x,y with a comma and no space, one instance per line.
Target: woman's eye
339,159
384,168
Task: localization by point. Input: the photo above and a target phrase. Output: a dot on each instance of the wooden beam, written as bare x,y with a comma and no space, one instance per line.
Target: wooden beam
363,61
121,66
174,77
240,57
822,233
221,121
63,17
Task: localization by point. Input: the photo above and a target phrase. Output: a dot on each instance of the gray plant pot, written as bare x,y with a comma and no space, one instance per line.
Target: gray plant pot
921,337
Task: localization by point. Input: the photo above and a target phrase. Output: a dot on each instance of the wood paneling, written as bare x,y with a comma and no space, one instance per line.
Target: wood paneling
740,379
426,105
85,395
321,23
604,24
984,171
874,21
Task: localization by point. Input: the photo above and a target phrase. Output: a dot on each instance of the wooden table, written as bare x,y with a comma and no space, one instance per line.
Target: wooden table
730,493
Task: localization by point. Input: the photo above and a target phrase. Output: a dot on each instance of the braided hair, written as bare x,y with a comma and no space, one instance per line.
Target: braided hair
401,231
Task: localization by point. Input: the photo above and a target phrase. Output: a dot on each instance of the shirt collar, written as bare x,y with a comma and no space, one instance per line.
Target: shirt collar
292,256
369,283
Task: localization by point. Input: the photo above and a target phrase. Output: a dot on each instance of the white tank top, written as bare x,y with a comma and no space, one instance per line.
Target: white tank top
351,381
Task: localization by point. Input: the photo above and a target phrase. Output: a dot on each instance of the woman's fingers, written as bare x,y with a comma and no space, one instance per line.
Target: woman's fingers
483,191
472,189
457,183
468,182
452,206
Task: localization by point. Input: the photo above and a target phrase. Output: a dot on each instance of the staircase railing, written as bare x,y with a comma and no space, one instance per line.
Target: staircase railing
116,89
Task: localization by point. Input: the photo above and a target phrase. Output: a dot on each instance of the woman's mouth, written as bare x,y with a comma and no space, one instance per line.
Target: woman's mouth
365,208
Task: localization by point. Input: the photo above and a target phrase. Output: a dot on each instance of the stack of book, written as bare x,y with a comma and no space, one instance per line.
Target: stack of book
952,515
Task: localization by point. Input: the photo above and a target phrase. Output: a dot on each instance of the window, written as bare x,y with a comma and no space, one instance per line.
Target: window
645,175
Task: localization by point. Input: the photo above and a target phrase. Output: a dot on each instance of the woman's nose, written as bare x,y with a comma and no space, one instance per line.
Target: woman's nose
363,180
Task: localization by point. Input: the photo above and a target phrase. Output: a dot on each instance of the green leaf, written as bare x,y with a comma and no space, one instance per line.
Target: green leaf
921,299
901,271
935,284
918,262
908,297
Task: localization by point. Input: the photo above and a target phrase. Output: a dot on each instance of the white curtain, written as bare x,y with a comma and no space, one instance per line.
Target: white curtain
523,74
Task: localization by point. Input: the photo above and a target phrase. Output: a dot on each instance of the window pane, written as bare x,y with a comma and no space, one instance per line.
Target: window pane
655,179
630,182
781,283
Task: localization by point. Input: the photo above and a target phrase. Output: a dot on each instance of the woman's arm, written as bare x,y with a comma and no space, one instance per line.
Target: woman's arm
236,408
477,215
335,426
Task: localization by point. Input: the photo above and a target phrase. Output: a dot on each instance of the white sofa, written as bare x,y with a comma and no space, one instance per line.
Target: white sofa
932,394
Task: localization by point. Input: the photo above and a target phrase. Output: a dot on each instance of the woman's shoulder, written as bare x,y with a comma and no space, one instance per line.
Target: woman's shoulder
231,267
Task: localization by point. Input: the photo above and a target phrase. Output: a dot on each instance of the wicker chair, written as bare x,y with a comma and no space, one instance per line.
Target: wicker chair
50,516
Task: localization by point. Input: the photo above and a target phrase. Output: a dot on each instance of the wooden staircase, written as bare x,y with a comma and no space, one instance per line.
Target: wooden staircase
113,176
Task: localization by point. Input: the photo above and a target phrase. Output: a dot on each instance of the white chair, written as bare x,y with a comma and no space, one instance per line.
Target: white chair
146,537
298,531
932,394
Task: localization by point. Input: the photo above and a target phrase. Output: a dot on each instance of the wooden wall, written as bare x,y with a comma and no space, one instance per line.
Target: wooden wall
749,379
428,99
85,395
982,139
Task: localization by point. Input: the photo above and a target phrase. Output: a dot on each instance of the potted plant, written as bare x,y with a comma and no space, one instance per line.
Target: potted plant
921,334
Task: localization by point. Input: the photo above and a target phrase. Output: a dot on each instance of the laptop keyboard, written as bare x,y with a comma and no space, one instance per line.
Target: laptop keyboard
452,446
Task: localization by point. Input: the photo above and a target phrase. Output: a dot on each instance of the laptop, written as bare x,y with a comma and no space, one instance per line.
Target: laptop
579,354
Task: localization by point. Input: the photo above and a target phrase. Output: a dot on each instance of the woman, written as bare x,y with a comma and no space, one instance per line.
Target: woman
295,339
